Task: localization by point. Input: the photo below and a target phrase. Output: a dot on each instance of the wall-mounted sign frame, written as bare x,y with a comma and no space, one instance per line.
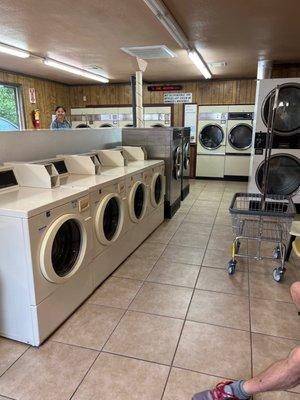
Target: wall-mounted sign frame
171,98
190,119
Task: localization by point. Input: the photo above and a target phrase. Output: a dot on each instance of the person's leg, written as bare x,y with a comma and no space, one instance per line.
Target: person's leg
282,375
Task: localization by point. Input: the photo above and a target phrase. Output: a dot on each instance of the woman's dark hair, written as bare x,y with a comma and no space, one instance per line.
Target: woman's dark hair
60,107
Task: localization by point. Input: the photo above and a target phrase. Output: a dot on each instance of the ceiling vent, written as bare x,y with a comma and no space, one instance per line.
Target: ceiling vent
149,52
217,64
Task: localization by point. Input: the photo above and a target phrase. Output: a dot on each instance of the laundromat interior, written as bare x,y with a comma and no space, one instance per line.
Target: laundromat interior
149,200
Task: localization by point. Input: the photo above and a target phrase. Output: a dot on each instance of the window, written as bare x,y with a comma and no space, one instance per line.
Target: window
10,108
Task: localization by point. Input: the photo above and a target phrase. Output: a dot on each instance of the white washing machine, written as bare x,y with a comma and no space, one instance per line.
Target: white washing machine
239,140
157,117
211,144
156,182
82,117
45,241
106,117
125,117
288,116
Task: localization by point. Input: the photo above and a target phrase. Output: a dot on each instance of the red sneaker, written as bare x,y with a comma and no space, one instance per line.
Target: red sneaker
218,393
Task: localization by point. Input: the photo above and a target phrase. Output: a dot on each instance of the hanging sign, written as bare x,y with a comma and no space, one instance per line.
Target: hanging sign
164,88
178,98
32,96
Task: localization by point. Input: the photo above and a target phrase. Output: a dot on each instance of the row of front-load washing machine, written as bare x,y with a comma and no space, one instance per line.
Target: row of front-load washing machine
224,141
119,117
65,225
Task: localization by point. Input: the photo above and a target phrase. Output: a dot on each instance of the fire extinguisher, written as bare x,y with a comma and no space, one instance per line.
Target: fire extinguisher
36,118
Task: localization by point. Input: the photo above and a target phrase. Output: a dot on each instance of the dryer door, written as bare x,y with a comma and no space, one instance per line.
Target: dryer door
177,163
284,175
211,136
137,201
63,248
157,189
109,218
240,137
287,120
186,155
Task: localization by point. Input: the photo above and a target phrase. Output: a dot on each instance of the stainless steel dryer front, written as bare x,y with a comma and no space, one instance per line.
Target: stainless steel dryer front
162,144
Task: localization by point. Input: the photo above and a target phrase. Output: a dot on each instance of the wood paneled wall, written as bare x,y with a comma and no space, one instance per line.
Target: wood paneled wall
286,71
204,93
48,95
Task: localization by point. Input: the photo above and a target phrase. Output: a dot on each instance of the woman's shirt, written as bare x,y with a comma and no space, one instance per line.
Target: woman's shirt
60,125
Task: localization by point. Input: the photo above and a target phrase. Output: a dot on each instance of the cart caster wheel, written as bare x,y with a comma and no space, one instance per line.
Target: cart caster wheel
231,267
277,253
278,274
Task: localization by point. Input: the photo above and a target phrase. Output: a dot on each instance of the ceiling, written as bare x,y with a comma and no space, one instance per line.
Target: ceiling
91,32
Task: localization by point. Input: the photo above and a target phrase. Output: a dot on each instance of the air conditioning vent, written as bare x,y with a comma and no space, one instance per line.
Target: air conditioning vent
217,64
149,52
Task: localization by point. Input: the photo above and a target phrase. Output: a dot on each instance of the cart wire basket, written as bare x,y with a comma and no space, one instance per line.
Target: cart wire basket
263,218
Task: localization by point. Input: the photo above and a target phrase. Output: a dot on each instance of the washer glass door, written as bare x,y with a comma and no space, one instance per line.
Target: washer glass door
287,120
211,136
284,175
111,218
139,200
240,137
66,247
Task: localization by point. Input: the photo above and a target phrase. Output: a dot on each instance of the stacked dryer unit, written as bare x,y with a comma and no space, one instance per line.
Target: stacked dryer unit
157,117
239,141
162,144
212,130
284,172
45,238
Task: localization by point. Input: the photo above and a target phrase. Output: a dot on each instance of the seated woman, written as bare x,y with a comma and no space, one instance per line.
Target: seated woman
60,121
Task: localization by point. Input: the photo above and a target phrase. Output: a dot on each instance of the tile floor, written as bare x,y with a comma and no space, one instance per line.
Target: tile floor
169,322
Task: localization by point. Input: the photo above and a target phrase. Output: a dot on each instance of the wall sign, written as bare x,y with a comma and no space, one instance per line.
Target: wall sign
190,119
164,88
32,96
178,98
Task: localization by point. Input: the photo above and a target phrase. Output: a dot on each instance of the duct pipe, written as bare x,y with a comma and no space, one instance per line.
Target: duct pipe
139,99
264,69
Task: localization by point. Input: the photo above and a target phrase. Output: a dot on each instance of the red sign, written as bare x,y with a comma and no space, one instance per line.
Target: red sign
164,88
32,97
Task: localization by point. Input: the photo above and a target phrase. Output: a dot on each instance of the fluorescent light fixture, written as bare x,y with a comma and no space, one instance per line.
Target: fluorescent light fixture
74,70
200,64
167,20
13,51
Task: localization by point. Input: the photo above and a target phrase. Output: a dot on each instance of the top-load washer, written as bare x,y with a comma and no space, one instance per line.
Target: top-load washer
212,130
45,257
185,183
157,117
239,140
162,144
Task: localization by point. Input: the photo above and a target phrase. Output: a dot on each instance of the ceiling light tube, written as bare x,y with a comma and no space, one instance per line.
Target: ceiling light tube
74,70
13,51
168,21
200,64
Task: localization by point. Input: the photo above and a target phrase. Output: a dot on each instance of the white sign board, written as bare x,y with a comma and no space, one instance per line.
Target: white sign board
190,120
32,96
178,98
